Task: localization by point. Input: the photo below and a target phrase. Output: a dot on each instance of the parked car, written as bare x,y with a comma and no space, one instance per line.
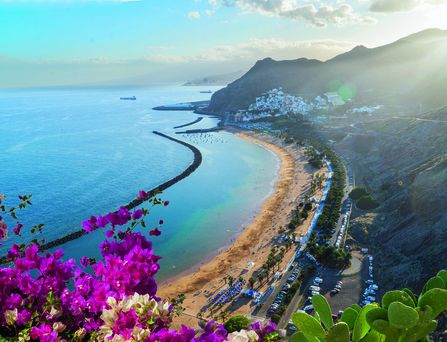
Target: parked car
308,308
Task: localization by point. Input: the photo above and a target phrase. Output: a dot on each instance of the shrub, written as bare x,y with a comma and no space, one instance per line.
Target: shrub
358,192
237,323
367,203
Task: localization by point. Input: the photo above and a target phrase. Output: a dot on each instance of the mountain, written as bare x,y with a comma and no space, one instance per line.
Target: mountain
214,80
411,69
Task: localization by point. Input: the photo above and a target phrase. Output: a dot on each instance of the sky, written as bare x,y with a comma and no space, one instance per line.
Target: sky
94,42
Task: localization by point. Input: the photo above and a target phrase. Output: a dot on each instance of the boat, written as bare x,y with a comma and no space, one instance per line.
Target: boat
128,98
206,92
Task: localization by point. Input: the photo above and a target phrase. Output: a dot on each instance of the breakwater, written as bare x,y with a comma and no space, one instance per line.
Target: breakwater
202,130
189,123
186,106
136,202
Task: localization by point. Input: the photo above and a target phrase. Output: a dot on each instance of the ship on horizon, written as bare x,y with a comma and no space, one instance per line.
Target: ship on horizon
206,92
133,98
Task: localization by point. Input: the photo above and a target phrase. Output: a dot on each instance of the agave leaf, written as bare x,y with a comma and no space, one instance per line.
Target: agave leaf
402,316
321,306
397,296
361,326
308,325
436,299
349,316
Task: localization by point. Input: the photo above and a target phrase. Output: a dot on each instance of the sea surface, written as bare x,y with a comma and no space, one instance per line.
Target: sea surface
84,152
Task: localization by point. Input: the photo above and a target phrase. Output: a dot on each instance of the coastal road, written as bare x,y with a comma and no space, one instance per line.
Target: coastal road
345,208
262,311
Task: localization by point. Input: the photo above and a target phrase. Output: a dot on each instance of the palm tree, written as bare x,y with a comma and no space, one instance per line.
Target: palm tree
251,282
260,278
224,315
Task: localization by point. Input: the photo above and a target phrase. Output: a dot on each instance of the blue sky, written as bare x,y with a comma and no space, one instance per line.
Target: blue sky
45,42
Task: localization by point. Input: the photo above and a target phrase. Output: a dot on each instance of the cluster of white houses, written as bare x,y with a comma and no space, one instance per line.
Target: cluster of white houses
276,102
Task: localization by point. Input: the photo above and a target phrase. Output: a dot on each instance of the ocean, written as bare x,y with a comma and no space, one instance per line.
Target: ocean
84,152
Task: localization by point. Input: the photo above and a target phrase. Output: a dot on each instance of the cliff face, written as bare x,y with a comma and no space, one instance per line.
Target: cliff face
406,69
404,162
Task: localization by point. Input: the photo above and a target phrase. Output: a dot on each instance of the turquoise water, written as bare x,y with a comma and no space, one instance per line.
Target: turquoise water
84,151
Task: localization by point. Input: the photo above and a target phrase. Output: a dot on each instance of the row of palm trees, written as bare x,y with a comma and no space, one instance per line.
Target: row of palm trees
271,265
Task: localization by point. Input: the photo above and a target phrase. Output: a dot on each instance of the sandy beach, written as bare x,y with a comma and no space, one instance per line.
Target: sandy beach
254,242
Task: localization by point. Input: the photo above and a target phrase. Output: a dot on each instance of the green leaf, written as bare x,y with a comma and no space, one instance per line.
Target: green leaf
383,327
349,316
361,326
443,274
402,316
356,307
375,314
412,295
436,299
372,336
397,296
424,327
308,324
338,333
434,283
298,337
321,306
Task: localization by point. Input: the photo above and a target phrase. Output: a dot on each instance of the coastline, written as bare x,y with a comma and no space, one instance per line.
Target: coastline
253,243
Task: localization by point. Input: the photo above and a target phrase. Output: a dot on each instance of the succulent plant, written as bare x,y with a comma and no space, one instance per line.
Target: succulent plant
402,317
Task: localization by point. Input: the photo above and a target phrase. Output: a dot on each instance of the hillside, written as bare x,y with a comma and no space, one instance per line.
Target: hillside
403,161
214,80
410,69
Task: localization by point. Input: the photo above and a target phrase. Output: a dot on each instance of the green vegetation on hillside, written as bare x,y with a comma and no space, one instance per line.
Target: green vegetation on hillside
330,256
358,192
363,199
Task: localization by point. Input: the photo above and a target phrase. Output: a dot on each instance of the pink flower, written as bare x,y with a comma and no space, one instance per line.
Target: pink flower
101,221
142,195
155,232
89,225
137,214
17,229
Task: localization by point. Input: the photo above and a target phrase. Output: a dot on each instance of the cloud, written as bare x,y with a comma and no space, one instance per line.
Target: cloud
255,49
402,5
193,15
316,13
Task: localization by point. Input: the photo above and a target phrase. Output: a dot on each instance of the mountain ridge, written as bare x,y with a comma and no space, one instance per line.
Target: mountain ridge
379,71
